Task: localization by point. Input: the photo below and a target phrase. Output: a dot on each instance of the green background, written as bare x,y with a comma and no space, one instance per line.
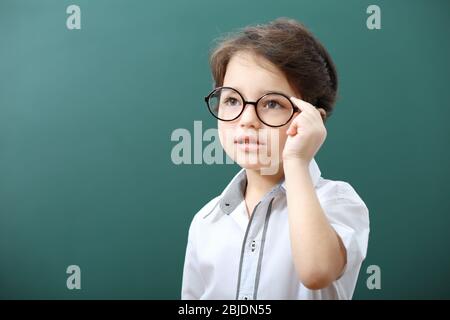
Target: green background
86,116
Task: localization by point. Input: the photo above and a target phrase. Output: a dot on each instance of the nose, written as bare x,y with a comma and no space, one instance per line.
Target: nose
249,117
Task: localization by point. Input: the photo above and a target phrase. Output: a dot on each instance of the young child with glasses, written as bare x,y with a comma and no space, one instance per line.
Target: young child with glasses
278,230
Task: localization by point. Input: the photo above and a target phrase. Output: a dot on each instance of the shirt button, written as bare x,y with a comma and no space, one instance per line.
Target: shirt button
253,245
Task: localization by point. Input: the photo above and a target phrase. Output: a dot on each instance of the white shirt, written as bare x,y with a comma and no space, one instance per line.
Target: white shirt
230,256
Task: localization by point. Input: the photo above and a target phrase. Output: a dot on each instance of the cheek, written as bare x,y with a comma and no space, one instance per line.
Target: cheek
226,136
282,137
278,139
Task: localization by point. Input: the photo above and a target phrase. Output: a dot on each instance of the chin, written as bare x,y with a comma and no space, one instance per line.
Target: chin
250,161
249,165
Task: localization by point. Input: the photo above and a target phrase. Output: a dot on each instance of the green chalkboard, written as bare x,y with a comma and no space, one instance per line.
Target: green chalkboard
86,118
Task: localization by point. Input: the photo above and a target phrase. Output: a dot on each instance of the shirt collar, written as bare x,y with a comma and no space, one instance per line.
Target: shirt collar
233,194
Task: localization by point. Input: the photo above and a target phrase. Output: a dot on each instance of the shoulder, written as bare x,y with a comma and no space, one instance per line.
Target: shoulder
209,207
205,210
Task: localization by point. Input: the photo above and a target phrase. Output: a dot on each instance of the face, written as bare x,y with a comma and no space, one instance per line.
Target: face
247,140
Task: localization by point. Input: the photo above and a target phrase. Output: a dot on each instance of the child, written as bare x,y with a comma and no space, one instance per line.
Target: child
278,230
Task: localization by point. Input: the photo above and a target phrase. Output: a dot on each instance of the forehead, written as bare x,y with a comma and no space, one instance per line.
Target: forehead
253,75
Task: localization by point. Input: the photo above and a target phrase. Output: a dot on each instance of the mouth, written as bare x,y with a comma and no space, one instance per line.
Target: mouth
248,143
247,140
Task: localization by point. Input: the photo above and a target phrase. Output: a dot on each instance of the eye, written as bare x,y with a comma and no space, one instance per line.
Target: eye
273,104
230,101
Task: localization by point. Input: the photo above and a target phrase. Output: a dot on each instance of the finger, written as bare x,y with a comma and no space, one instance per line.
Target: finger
306,107
296,123
302,120
292,130
314,111
302,104
307,116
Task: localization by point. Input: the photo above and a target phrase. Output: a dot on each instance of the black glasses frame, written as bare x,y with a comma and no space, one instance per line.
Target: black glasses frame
254,103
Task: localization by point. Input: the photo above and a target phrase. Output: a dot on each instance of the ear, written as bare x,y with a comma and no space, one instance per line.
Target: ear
323,113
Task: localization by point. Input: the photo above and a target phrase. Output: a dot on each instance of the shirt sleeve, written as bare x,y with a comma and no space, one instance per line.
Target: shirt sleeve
192,287
349,216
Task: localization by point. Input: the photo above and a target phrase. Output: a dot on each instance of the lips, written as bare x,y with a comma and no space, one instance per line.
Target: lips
247,139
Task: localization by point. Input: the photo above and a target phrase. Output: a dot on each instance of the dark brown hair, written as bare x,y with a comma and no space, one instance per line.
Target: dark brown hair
291,47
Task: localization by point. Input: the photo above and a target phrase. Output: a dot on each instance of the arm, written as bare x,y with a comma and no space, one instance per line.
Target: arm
318,252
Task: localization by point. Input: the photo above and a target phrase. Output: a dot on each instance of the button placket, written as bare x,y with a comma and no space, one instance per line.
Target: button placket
249,264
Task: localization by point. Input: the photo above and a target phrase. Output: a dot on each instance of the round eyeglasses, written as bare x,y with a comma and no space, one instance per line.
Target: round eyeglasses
273,109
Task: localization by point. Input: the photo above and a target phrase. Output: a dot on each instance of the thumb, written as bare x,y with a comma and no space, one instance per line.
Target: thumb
292,130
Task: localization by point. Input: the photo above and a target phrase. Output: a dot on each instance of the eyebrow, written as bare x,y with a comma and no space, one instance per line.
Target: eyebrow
260,92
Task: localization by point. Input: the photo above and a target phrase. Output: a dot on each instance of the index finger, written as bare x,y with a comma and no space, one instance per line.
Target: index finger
303,105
